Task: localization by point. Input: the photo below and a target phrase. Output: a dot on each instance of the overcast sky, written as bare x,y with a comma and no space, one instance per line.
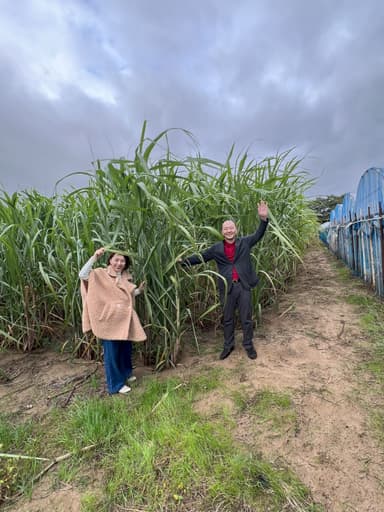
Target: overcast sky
79,77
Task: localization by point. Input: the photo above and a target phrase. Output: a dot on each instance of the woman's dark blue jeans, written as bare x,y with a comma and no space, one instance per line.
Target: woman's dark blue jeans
117,363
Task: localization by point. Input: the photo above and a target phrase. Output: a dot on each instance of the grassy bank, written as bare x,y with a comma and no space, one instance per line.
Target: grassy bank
156,452
371,311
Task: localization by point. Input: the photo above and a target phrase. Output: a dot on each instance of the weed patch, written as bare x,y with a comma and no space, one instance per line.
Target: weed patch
266,406
159,454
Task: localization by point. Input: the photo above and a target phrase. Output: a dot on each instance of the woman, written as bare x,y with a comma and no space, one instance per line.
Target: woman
108,311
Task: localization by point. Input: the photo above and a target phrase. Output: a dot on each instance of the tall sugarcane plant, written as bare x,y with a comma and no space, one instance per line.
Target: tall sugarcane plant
157,210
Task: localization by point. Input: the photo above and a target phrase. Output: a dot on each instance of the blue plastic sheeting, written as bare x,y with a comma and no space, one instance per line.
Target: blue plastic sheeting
356,229
347,208
336,214
370,193
323,232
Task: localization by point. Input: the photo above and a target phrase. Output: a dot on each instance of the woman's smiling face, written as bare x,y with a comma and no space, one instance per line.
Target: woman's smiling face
117,263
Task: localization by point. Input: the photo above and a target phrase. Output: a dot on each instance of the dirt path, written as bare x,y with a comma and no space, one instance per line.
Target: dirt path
310,348
313,350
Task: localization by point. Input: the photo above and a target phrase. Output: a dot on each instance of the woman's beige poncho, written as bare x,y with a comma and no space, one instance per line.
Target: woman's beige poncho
108,306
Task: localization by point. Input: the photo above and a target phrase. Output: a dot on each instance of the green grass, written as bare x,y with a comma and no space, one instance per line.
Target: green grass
156,453
90,502
18,439
362,300
344,273
268,407
377,423
371,311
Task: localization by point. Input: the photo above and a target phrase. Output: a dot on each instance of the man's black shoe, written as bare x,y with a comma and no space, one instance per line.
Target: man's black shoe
225,353
251,353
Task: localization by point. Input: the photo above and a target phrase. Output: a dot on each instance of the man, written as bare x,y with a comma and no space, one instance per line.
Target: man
233,259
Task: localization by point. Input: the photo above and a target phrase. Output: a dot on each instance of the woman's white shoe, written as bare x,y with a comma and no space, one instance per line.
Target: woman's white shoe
124,390
132,378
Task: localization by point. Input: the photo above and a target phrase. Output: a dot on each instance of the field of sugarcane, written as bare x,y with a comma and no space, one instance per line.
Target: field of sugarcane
157,209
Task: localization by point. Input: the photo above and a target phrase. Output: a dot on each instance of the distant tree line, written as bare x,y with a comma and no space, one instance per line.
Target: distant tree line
322,206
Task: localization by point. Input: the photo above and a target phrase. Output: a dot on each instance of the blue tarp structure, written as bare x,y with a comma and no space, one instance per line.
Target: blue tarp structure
323,232
356,231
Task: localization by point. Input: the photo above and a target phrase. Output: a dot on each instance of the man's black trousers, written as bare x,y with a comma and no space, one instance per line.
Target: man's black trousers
241,299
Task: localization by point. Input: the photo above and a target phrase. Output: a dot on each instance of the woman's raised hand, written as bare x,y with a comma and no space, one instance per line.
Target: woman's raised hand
99,252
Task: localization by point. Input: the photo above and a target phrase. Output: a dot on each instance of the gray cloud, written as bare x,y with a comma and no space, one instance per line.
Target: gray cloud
78,82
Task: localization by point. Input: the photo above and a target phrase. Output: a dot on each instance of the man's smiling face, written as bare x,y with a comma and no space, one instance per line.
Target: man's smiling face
229,231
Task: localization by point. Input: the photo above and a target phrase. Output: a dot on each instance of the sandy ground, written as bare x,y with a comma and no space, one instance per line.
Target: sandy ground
310,348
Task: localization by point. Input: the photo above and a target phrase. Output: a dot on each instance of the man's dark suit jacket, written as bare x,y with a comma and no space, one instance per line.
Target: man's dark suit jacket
242,261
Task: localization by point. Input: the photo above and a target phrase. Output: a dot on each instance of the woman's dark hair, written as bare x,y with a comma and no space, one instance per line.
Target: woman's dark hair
127,259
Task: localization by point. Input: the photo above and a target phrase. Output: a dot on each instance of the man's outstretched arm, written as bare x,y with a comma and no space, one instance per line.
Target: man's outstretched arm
262,210
196,259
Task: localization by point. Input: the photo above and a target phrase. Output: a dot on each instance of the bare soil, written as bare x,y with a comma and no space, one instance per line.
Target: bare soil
311,347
